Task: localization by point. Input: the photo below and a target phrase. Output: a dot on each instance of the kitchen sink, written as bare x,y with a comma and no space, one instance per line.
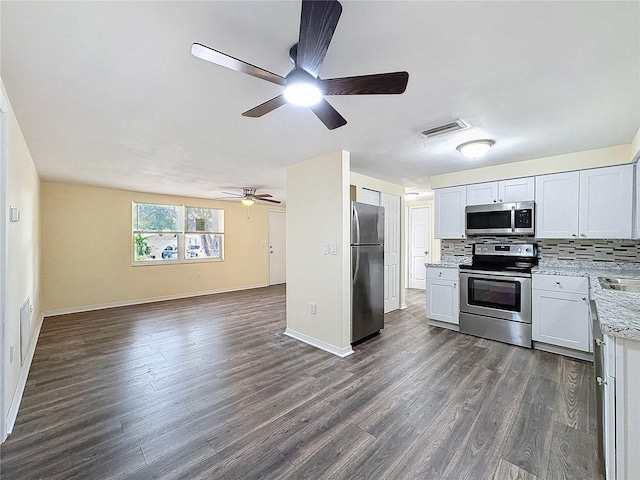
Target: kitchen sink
631,285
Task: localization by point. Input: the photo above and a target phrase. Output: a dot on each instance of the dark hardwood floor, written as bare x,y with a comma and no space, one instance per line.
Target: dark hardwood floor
210,388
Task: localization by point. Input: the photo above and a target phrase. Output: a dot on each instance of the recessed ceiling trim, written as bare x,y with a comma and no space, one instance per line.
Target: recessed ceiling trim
443,129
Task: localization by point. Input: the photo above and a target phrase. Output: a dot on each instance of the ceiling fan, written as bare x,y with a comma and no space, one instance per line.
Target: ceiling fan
249,197
302,85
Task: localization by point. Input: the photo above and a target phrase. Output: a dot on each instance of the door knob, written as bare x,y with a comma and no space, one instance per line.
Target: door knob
426,252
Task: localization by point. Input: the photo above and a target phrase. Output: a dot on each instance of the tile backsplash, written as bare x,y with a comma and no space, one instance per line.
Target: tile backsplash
560,249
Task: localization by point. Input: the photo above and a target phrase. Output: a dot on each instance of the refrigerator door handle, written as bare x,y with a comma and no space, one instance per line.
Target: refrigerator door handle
357,222
356,266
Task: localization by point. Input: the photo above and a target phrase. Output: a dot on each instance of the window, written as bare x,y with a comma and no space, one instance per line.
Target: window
176,234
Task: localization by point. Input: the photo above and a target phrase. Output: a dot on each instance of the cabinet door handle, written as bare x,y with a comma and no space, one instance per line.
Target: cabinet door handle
600,381
557,283
455,285
582,235
574,235
500,200
584,298
494,200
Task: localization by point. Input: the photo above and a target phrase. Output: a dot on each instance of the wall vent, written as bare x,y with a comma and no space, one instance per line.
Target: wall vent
442,129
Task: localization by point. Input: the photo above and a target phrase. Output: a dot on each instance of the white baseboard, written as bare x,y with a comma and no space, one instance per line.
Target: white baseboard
403,306
567,352
327,347
22,381
128,303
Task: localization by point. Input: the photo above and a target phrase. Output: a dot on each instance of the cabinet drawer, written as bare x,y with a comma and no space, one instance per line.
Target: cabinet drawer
560,283
442,273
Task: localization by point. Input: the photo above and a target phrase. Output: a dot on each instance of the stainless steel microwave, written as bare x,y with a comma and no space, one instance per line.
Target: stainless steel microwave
516,218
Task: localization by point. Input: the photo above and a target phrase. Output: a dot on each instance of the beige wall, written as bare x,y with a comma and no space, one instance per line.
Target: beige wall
601,157
87,249
23,258
317,213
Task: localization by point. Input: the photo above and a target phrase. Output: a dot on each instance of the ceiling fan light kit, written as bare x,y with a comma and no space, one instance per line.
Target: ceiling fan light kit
300,89
475,148
248,201
302,86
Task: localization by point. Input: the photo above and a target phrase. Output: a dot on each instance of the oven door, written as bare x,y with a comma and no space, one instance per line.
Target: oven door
496,294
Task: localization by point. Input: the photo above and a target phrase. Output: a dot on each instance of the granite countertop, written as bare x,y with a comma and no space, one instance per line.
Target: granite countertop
450,262
618,312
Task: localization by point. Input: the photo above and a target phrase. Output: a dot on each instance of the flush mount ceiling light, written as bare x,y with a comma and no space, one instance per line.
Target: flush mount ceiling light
475,148
411,196
300,89
248,201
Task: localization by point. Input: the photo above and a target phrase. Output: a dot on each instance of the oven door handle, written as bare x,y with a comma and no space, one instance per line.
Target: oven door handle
490,274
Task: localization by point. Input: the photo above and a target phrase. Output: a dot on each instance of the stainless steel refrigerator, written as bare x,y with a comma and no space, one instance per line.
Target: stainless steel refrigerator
367,270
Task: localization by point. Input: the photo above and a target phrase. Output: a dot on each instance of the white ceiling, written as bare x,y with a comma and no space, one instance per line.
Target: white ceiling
108,93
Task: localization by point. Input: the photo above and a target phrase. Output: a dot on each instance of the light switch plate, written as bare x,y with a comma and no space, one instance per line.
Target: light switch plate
14,214
325,249
334,249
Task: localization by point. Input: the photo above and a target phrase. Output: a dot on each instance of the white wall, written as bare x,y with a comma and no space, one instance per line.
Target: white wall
601,157
317,213
23,262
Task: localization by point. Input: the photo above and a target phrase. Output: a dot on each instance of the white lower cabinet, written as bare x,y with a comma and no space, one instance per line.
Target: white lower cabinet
443,297
560,311
621,413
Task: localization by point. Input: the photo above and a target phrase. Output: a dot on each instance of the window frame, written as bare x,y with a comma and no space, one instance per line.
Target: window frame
181,236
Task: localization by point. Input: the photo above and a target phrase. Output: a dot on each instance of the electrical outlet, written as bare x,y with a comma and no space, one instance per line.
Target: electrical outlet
325,249
11,354
312,308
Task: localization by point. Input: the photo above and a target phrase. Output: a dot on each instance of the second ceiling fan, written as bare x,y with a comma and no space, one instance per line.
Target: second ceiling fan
302,86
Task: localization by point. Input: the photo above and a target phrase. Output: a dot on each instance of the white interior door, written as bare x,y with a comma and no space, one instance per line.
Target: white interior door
277,247
391,204
4,135
419,246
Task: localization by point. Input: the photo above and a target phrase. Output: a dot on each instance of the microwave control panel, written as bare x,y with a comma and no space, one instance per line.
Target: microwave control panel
523,218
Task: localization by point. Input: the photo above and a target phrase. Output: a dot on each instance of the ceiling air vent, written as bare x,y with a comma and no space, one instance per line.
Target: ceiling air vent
442,129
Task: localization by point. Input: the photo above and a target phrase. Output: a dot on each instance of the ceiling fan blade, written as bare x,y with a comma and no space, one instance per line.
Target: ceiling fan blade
234,194
328,115
318,21
224,60
265,107
263,195
380,83
267,200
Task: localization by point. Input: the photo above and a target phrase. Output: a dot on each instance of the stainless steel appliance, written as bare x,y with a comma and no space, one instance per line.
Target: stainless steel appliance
501,219
367,270
495,292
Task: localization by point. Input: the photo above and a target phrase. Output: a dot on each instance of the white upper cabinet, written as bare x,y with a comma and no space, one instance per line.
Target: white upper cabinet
593,203
557,205
449,218
606,208
514,190
482,193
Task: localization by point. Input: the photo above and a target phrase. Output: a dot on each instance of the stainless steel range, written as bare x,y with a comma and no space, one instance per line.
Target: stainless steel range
495,292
